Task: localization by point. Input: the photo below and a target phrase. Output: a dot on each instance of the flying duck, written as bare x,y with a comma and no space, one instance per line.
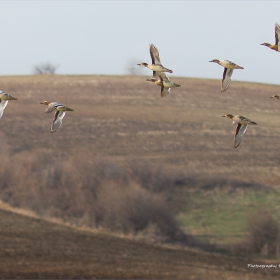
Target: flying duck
276,46
4,97
229,66
242,124
165,84
156,66
60,111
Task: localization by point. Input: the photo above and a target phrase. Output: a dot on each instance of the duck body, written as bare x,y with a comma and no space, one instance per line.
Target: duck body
60,111
156,65
165,84
275,96
227,64
228,71
276,46
242,125
4,98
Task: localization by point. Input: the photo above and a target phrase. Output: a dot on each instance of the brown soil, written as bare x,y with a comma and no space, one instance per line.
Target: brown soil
33,248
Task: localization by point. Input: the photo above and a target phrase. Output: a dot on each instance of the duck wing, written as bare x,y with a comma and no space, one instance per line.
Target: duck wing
164,78
57,121
3,104
154,54
239,134
226,79
164,90
277,34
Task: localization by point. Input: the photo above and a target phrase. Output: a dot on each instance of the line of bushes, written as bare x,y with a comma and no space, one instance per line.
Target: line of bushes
131,198
122,198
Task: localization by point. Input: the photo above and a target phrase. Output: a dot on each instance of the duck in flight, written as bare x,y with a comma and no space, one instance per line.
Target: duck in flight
228,70
165,84
276,46
60,111
242,124
156,66
4,98
275,96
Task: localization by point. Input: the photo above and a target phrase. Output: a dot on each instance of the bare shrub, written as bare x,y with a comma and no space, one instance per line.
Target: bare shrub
263,231
89,192
133,210
263,235
153,177
132,68
45,68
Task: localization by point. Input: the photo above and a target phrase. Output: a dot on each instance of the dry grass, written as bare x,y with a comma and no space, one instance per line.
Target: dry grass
122,117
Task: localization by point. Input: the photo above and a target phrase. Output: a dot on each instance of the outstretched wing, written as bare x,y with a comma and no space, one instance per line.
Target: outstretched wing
57,121
164,90
3,104
154,54
239,134
226,79
277,34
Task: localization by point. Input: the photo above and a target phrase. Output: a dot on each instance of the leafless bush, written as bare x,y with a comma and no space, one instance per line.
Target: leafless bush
263,234
132,68
45,68
153,177
89,192
133,210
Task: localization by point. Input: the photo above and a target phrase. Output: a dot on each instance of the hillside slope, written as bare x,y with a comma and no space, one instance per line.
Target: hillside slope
123,118
33,248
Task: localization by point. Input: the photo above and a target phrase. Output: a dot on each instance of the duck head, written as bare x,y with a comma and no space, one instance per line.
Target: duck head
215,60
266,44
143,64
152,79
6,96
228,116
45,102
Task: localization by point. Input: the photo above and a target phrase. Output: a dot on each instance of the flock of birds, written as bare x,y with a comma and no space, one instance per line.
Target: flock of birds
60,109
159,78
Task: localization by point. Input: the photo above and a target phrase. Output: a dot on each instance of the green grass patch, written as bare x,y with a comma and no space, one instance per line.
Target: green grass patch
221,215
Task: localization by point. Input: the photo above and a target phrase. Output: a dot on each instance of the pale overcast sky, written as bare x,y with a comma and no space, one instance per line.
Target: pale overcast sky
101,37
